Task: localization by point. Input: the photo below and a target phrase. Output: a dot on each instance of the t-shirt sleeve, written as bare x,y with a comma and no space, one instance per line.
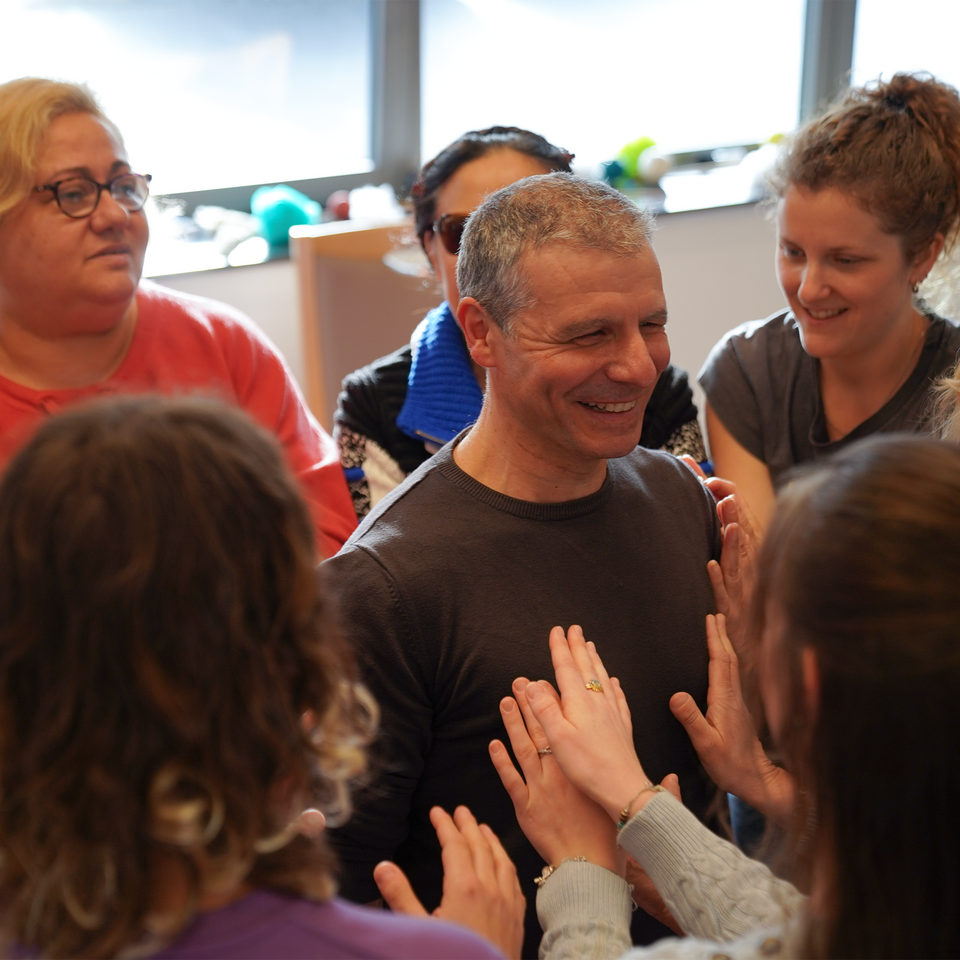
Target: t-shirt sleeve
266,390
374,620
731,392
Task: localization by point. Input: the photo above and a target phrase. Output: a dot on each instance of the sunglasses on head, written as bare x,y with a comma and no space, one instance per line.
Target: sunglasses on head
449,228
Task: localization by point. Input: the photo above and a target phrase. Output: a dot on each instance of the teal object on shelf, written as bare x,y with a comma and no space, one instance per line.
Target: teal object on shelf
279,208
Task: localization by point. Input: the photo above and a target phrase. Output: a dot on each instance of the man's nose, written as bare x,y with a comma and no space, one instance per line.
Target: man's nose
633,362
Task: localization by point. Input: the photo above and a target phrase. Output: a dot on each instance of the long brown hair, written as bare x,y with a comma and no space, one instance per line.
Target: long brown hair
163,631
862,562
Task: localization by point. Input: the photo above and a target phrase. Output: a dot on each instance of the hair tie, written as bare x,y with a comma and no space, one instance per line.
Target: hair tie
896,101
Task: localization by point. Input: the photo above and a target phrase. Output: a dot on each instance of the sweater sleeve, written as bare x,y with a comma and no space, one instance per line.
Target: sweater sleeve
713,890
386,645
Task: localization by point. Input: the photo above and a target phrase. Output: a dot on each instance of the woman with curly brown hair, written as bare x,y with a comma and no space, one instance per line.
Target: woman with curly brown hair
173,695
869,200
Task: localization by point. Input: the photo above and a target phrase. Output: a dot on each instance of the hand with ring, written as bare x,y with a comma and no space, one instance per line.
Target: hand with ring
557,819
588,726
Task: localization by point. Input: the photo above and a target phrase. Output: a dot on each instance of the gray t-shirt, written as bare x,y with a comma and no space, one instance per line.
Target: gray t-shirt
765,388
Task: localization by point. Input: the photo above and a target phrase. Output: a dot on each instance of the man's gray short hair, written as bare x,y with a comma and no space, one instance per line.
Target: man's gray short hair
534,212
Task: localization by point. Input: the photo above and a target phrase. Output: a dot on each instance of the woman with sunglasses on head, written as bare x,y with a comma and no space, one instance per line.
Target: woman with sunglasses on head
75,319
180,713
397,412
868,200
858,614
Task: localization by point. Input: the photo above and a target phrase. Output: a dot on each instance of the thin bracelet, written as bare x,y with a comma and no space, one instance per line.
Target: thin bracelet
625,812
548,871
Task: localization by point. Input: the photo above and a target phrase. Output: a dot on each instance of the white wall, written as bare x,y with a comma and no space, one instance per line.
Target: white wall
717,272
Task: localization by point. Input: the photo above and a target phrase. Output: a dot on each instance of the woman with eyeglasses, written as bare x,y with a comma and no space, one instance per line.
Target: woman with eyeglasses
397,412
77,322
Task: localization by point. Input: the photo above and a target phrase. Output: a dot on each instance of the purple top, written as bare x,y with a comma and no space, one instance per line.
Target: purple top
277,925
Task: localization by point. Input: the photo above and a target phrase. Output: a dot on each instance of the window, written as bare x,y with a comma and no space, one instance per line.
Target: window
214,93
691,74
887,40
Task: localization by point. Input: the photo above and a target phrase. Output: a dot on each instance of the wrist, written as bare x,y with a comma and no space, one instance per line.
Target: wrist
642,792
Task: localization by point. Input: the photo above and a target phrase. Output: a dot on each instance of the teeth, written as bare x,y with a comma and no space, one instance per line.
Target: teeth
824,314
611,407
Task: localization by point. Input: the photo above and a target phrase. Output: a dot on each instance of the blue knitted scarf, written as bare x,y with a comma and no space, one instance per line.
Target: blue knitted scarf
443,396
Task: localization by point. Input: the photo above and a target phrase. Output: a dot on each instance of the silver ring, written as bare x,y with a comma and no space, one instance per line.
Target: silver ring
546,751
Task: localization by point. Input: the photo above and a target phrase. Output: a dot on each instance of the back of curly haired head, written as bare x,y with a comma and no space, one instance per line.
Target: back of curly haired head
894,146
163,633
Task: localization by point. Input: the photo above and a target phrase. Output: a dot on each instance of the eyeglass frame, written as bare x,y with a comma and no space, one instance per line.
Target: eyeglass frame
438,230
108,186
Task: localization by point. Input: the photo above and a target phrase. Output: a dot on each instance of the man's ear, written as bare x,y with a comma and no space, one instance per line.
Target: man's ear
479,331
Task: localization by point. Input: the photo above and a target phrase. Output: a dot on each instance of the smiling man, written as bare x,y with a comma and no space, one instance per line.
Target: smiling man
544,512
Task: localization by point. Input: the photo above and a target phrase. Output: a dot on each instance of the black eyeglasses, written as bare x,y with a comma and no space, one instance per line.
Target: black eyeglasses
449,228
78,197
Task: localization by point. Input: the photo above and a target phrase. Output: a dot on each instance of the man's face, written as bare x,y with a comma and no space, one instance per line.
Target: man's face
575,371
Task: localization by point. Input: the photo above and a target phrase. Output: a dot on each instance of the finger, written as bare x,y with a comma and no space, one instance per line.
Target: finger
720,488
625,717
547,710
702,735
671,783
724,678
396,890
693,465
311,823
480,852
721,598
728,511
599,670
524,749
506,870
512,782
568,673
730,553
578,650
534,730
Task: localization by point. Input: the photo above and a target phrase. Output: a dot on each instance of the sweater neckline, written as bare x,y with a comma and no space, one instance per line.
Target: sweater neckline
524,509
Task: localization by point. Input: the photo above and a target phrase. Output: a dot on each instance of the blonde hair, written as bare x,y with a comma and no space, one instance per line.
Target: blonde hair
27,108
948,406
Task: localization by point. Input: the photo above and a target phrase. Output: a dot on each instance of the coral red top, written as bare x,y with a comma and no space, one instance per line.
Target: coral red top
191,346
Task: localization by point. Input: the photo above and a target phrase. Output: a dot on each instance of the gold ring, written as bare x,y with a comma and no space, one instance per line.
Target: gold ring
595,685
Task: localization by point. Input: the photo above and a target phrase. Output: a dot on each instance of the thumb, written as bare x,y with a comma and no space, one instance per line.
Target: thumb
685,709
396,889
671,782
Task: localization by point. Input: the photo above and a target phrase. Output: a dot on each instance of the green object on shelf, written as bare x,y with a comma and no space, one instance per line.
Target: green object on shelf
630,154
279,208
